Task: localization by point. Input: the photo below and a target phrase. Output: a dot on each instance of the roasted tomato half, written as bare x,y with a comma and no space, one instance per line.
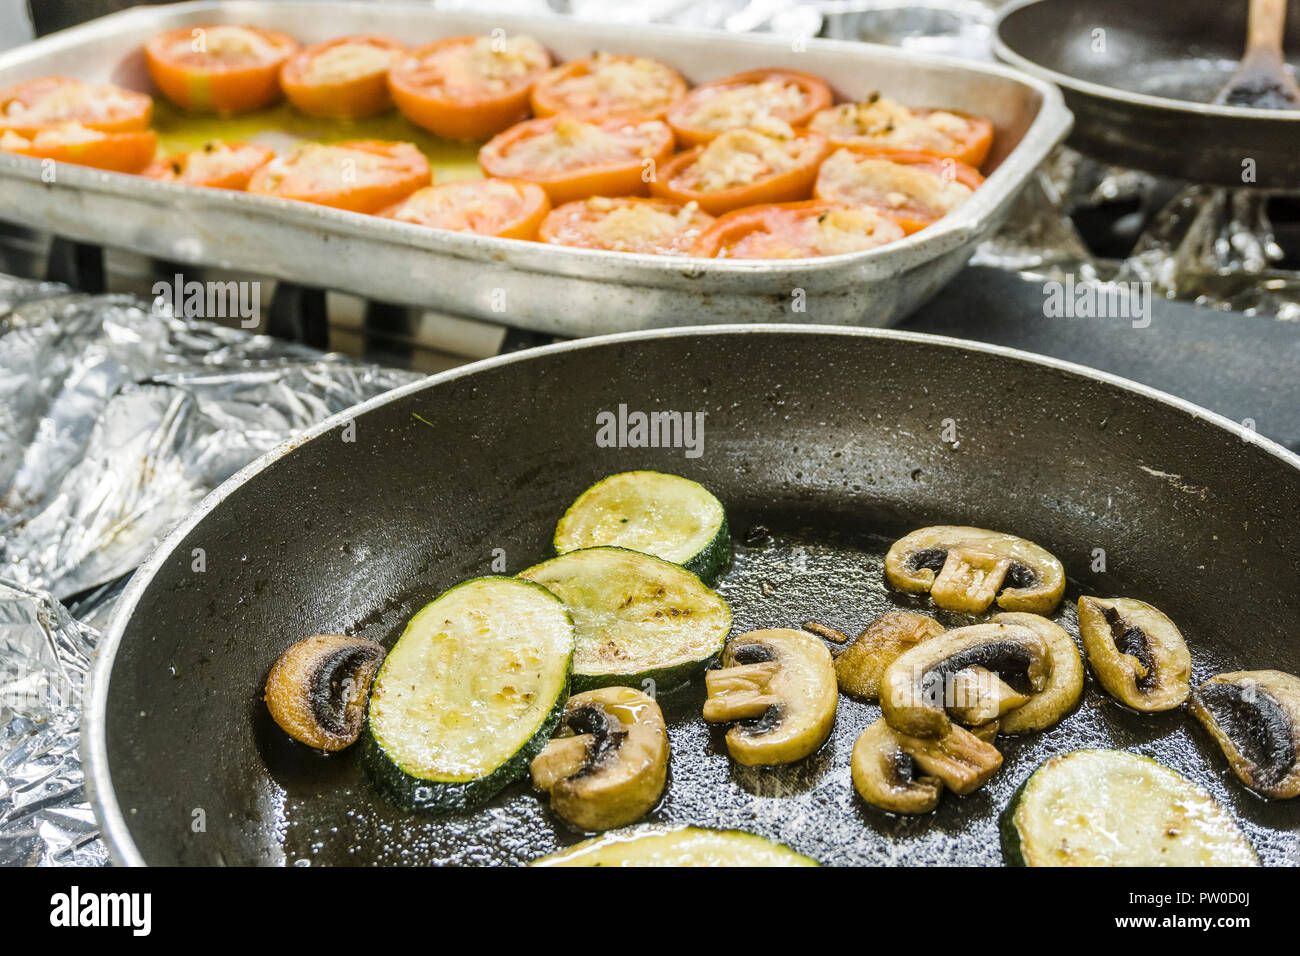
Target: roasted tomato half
361,175
215,164
607,85
573,159
468,87
128,152
507,208
795,231
39,104
913,188
753,99
743,167
346,77
219,68
626,224
882,122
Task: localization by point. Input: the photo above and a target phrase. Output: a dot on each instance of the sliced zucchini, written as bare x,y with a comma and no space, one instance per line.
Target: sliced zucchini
470,693
667,516
1113,808
688,846
638,617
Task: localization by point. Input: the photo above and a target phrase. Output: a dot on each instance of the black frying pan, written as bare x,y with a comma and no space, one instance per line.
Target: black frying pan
1139,76
831,440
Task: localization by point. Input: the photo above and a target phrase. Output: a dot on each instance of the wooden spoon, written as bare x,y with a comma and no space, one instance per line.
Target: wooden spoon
1262,80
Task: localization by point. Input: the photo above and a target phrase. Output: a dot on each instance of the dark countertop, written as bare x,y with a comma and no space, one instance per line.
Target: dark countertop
1241,366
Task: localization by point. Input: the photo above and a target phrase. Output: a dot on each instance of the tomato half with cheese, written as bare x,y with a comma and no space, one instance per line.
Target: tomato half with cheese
795,231
885,123
219,68
751,99
913,188
50,101
608,85
342,78
127,152
361,175
743,167
215,164
506,208
626,224
573,159
468,87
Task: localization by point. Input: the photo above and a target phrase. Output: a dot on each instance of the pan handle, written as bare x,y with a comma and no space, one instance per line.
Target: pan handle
1266,25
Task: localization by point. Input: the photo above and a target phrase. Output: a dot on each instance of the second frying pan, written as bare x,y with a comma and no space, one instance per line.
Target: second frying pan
1139,78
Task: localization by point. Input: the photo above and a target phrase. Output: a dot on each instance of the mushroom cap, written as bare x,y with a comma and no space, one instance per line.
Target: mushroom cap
964,568
1137,653
1064,685
916,686
859,669
789,679
317,689
608,763
1254,716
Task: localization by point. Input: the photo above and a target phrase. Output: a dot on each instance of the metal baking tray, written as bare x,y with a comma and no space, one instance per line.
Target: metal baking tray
529,285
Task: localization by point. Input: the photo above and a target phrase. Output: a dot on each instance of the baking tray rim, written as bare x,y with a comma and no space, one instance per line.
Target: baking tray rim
1050,125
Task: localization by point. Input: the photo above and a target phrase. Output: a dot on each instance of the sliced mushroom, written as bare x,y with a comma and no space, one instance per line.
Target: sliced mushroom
886,776
317,690
1064,685
607,765
965,568
779,686
859,668
979,695
1136,652
961,760
987,732
1255,718
918,685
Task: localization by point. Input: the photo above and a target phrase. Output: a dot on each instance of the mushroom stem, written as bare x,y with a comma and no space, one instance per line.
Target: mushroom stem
739,693
561,757
961,760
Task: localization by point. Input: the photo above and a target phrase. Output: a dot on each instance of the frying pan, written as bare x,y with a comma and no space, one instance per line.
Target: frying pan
1139,77
823,443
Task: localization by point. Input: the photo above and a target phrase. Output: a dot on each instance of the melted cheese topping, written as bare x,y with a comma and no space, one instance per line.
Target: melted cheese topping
634,84
71,102
231,45
885,122
347,61
215,160
482,206
574,144
833,232
328,167
489,63
741,156
896,187
630,225
755,105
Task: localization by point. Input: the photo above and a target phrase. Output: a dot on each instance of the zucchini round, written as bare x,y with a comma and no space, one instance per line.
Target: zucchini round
667,516
688,846
1114,808
469,694
638,617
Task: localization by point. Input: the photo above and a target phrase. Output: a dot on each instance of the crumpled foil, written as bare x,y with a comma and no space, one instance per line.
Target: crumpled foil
116,418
